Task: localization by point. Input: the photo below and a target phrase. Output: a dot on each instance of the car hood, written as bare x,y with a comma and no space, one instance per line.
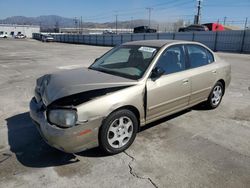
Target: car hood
54,86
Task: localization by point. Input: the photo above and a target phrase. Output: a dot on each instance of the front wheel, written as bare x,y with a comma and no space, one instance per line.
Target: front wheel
118,131
215,96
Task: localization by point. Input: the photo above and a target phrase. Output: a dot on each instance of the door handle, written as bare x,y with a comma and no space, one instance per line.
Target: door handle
185,81
214,71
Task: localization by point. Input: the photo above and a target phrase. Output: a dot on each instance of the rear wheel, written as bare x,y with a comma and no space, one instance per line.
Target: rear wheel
215,96
118,131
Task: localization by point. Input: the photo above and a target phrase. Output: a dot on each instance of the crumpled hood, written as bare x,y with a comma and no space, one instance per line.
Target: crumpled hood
64,83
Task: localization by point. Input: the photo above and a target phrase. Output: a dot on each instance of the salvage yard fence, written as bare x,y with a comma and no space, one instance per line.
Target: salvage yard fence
230,41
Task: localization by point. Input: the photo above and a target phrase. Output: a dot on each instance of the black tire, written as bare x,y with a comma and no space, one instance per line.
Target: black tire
105,132
210,103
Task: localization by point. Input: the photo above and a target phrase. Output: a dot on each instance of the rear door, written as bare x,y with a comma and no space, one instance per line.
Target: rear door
203,72
171,91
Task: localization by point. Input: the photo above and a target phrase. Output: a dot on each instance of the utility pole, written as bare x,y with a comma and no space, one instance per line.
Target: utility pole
81,25
131,24
75,20
225,19
197,17
149,15
116,20
246,23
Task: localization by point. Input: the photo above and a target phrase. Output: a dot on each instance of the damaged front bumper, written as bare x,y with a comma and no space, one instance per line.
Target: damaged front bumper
70,140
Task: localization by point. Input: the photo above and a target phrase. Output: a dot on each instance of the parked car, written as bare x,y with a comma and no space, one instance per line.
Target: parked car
128,87
3,34
144,29
47,38
108,32
194,27
20,36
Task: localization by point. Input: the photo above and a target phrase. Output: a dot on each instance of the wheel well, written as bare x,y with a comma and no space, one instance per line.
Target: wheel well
132,109
223,84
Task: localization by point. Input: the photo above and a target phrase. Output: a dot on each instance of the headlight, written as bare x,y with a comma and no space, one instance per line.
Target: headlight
62,117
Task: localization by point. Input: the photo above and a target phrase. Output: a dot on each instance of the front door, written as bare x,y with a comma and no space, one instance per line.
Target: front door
171,91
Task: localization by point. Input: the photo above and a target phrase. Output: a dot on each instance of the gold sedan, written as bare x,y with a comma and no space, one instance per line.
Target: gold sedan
126,88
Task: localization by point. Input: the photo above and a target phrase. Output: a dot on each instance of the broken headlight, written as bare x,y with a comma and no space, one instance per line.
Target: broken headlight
63,117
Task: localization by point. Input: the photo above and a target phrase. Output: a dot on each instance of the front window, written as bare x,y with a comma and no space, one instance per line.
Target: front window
129,61
172,60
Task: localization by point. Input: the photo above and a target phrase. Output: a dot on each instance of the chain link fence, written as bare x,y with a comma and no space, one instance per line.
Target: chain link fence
228,41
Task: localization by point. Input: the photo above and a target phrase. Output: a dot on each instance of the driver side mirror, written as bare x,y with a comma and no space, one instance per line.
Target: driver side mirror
157,72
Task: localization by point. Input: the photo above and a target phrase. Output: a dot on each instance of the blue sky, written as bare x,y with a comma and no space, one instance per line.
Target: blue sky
105,10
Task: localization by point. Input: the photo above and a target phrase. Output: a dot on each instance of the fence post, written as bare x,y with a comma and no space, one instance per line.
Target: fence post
89,39
131,37
193,37
103,40
215,41
144,36
158,36
95,39
112,40
243,41
121,38
174,36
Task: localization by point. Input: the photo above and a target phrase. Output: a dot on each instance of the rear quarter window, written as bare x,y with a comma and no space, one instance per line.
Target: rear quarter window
199,56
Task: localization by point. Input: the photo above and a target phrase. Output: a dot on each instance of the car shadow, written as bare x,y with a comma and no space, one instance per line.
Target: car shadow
29,147
32,151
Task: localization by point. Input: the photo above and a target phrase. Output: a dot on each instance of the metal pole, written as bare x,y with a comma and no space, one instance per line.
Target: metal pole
197,17
116,19
246,23
81,24
215,41
131,25
243,41
225,19
149,15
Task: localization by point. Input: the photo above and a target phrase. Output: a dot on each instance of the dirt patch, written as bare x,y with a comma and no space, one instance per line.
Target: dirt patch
9,167
242,114
80,168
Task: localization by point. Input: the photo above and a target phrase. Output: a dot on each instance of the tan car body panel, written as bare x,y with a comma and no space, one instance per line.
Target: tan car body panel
163,96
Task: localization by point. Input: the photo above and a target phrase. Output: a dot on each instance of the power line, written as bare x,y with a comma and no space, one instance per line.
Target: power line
139,9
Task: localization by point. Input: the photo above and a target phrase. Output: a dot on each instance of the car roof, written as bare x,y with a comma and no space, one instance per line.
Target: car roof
158,43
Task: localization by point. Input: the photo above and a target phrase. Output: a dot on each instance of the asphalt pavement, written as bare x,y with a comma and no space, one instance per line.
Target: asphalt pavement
194,148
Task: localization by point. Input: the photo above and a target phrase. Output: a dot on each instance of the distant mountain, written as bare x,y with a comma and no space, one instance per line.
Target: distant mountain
43,21
52,21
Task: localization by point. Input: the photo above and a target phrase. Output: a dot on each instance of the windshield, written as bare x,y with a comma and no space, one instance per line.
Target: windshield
129,61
